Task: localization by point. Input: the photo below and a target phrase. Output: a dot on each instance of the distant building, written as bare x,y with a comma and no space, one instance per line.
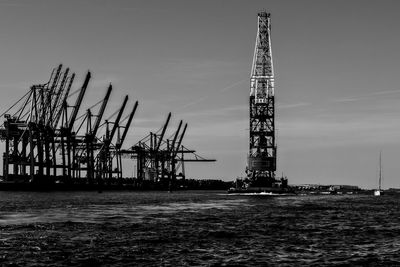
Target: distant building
311,187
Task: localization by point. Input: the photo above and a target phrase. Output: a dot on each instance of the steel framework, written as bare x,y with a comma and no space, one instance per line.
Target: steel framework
161,160
262,149
46,142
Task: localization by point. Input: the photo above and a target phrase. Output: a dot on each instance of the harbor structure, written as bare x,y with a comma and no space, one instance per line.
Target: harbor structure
261,164
50,141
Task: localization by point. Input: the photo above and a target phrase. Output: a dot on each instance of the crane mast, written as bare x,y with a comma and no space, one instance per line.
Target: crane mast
262,149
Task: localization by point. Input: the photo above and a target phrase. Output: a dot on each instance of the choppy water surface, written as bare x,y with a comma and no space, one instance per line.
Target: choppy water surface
197,228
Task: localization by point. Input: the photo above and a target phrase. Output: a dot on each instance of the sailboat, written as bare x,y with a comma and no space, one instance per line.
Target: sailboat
378,192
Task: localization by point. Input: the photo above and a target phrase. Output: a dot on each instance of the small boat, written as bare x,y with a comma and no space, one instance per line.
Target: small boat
378,192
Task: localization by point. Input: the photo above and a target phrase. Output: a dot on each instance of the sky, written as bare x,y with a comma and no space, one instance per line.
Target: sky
336,69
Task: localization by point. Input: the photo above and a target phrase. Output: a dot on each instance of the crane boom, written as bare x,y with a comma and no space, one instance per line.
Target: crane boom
163,132
176,136
101,111
56,77
114,129
56,105
64,100
180,141
128,124
78,102
48,111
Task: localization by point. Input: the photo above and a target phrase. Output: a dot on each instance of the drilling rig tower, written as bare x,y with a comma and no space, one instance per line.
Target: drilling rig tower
261,165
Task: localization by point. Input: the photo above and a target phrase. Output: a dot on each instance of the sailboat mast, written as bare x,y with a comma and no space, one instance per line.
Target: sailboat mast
380,169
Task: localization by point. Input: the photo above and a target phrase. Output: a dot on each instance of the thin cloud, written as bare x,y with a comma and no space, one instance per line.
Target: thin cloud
201,99
217,111
17,85
11,4
386,92
366,96
345,100
295,105
233,85
103,82
340,130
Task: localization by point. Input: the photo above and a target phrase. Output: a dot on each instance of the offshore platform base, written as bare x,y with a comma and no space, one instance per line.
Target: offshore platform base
262,185
261,164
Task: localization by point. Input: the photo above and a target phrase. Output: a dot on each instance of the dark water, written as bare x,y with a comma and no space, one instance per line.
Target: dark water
197,229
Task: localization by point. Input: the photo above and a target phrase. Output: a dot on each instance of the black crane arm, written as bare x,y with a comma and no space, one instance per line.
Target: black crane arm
48,107
101,111
78,102
180,140
163,132
116,123
128,124
176,137
56,77
64,100
56,107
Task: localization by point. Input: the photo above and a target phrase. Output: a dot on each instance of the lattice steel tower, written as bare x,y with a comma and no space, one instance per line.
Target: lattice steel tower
262,150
